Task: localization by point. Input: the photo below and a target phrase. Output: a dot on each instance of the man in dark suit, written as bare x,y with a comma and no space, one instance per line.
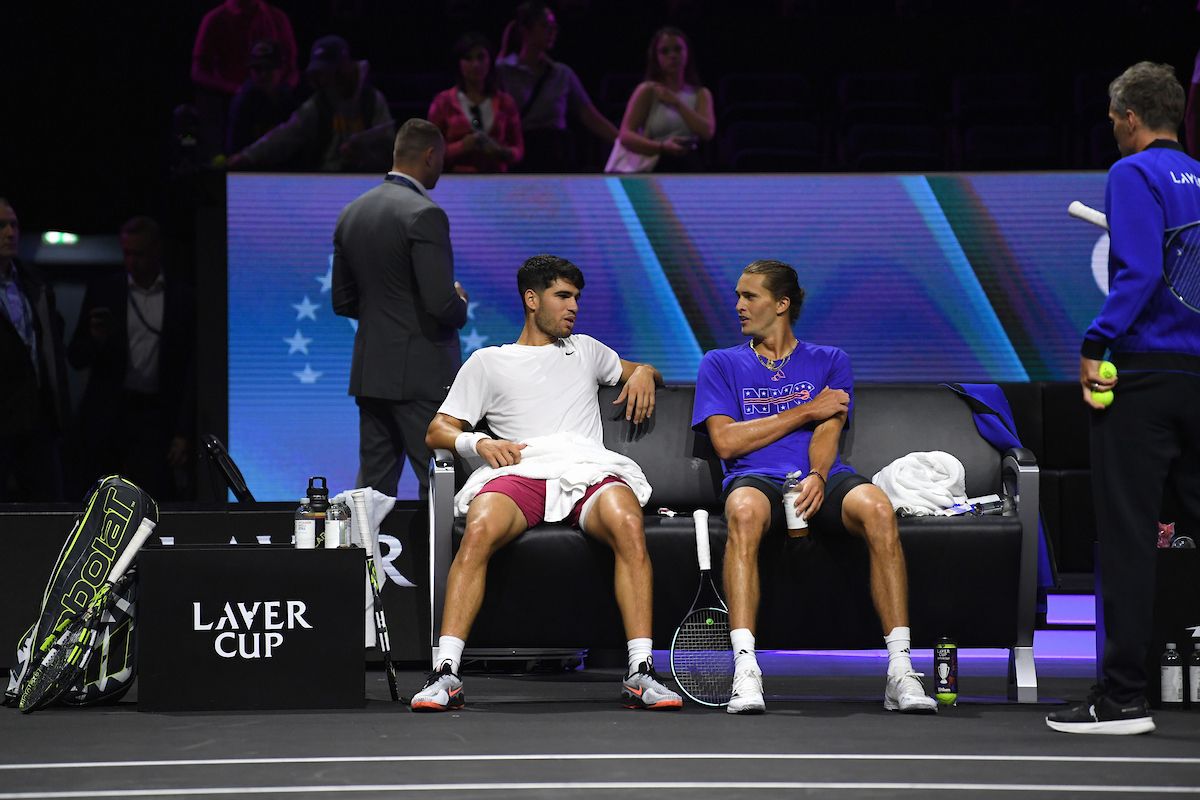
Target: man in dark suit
33,397
393,271
136,333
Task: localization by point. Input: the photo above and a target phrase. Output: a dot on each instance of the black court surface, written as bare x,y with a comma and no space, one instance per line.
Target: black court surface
550,735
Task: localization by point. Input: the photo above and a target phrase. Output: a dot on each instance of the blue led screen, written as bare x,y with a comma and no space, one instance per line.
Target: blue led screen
963,277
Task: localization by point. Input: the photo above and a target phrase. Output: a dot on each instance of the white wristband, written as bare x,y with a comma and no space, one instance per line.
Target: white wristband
466,442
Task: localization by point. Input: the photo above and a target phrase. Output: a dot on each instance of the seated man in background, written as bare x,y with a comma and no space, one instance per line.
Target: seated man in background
760,405
546,461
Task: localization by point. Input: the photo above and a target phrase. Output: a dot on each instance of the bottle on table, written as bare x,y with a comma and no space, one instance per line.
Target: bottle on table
1171,675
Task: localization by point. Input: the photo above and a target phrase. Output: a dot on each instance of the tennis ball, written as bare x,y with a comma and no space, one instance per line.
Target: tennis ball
1103,398
1108,370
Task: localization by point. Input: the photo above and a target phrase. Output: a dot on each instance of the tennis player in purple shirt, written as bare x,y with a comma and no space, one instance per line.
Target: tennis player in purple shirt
772,406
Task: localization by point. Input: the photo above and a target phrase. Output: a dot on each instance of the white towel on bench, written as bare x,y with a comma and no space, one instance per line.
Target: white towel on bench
570,463
920,484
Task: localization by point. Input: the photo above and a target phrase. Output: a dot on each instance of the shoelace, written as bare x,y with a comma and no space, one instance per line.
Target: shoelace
436,675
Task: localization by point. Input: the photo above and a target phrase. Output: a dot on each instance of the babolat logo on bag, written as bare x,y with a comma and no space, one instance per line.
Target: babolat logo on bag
113,510
250,630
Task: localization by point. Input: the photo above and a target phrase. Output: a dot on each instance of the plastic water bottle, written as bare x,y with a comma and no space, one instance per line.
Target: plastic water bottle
318,502
1171,674
337,526
945,667
304,526
1194,677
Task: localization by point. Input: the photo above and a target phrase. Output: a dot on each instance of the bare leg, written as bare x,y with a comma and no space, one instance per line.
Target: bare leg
748,515
866,511
493,520
616,519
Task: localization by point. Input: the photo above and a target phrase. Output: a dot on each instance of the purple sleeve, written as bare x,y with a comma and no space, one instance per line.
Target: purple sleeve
715,394
841,376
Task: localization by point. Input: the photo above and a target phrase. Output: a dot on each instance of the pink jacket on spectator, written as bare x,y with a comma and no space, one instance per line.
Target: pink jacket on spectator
221,54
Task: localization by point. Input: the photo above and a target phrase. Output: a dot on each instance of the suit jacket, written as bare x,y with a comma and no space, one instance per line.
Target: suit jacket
28,405
110,360
393,271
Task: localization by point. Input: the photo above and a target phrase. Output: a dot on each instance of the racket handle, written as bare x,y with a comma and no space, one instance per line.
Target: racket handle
1087,214
702,550
139,538
358,498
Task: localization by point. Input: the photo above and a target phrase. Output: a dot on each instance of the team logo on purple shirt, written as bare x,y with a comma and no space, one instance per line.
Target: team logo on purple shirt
771,400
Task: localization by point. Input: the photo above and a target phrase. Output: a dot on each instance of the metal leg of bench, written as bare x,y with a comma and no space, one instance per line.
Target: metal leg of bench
1022,675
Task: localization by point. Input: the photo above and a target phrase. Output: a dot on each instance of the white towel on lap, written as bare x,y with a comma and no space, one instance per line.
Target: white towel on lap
570,463
923,483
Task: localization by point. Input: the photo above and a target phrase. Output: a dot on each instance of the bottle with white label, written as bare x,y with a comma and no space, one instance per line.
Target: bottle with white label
337,526
1194,677
305,526
1171,674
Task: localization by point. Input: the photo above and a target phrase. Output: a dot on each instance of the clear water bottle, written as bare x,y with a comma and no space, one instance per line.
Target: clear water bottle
945,667
337,526
1171,674
1194,677
304,526
797,525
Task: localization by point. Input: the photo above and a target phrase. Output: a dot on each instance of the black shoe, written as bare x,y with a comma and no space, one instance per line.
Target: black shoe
1100,714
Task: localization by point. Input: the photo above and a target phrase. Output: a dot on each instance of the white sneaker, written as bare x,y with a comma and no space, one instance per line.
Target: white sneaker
906,693
747,697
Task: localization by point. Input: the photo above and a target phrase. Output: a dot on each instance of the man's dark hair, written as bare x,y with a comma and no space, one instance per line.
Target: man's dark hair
1152,92
781,281
414,138
531,12
463,47
541,271
142,226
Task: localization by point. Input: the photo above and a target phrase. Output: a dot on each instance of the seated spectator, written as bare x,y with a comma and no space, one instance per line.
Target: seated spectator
545,90
344,127
135,333
668,115
264,101
33,400
479,122
220,60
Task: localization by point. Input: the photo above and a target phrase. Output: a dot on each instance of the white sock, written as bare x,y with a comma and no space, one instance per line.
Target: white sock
640,650
743,650
450,648
899,657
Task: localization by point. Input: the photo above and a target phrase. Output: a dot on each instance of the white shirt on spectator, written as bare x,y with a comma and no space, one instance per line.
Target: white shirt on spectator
143,326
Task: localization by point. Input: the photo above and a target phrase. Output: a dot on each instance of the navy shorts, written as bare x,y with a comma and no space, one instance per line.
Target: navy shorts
828,518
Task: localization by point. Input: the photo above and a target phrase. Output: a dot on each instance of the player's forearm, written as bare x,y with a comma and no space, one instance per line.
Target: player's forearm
822,449
739,438
442,433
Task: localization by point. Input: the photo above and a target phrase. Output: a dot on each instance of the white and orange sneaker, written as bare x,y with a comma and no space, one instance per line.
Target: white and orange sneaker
443,691
643,689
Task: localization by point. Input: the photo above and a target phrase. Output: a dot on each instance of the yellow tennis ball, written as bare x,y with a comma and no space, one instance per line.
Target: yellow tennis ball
1108,370
1103,398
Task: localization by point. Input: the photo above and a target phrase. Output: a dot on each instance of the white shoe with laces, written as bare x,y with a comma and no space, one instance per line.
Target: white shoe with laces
905,693
747,697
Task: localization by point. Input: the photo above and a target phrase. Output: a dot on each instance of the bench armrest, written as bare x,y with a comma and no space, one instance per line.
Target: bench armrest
441,528
1020,474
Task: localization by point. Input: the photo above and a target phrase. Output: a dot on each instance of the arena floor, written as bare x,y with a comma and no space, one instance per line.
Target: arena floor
566,735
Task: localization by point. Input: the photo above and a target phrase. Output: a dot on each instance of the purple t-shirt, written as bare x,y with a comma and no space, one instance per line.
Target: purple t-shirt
733,383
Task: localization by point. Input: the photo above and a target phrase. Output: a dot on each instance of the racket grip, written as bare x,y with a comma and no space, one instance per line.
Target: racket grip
703,555
139,538
1087,214
362,522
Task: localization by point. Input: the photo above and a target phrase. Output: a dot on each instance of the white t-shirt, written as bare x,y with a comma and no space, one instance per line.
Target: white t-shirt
527,391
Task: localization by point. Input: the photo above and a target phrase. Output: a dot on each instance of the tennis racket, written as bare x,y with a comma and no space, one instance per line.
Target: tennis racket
71,651
359,498
1181,254
701,655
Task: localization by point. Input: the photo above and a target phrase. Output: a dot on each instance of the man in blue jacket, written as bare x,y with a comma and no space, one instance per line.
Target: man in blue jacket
1149,438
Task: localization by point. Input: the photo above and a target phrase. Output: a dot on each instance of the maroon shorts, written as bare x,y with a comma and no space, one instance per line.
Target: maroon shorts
530,495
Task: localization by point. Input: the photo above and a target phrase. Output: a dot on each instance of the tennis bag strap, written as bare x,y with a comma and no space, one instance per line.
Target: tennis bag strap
113,510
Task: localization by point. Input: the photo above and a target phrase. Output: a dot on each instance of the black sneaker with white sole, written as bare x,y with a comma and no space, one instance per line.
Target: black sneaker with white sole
1101,714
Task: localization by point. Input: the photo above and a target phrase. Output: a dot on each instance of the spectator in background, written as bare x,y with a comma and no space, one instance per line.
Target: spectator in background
136,334
344,127
668,115
480,123
264,101
545,90
33,398
221,59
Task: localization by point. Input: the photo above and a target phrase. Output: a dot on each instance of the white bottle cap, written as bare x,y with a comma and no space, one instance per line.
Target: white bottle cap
1170,645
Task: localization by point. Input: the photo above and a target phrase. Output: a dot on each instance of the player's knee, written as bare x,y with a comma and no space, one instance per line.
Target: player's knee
747,521
879,520
628,532
480,540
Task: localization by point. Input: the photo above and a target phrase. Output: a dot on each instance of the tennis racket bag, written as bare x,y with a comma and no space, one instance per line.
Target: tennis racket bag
113,510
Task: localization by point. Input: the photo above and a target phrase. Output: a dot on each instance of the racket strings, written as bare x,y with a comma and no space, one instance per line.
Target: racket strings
1181,267
702,658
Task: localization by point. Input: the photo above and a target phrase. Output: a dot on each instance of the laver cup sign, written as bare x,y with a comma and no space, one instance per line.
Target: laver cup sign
227,627
251,630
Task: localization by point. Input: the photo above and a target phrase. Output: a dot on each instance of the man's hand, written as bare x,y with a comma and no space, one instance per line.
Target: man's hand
458,287
500,452
639,391
829,403
1090,380
810,494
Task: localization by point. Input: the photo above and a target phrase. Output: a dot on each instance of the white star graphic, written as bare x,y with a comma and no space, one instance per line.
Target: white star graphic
474,340
308,375
326,280
471,306
298,343
305,309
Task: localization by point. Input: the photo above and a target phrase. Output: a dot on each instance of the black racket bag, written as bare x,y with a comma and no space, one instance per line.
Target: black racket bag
112,512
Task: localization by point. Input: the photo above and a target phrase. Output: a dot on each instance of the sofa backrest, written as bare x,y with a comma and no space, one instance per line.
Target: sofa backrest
890,421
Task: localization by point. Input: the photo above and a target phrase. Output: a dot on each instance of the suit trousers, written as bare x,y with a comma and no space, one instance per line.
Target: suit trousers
1145,443
389,430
